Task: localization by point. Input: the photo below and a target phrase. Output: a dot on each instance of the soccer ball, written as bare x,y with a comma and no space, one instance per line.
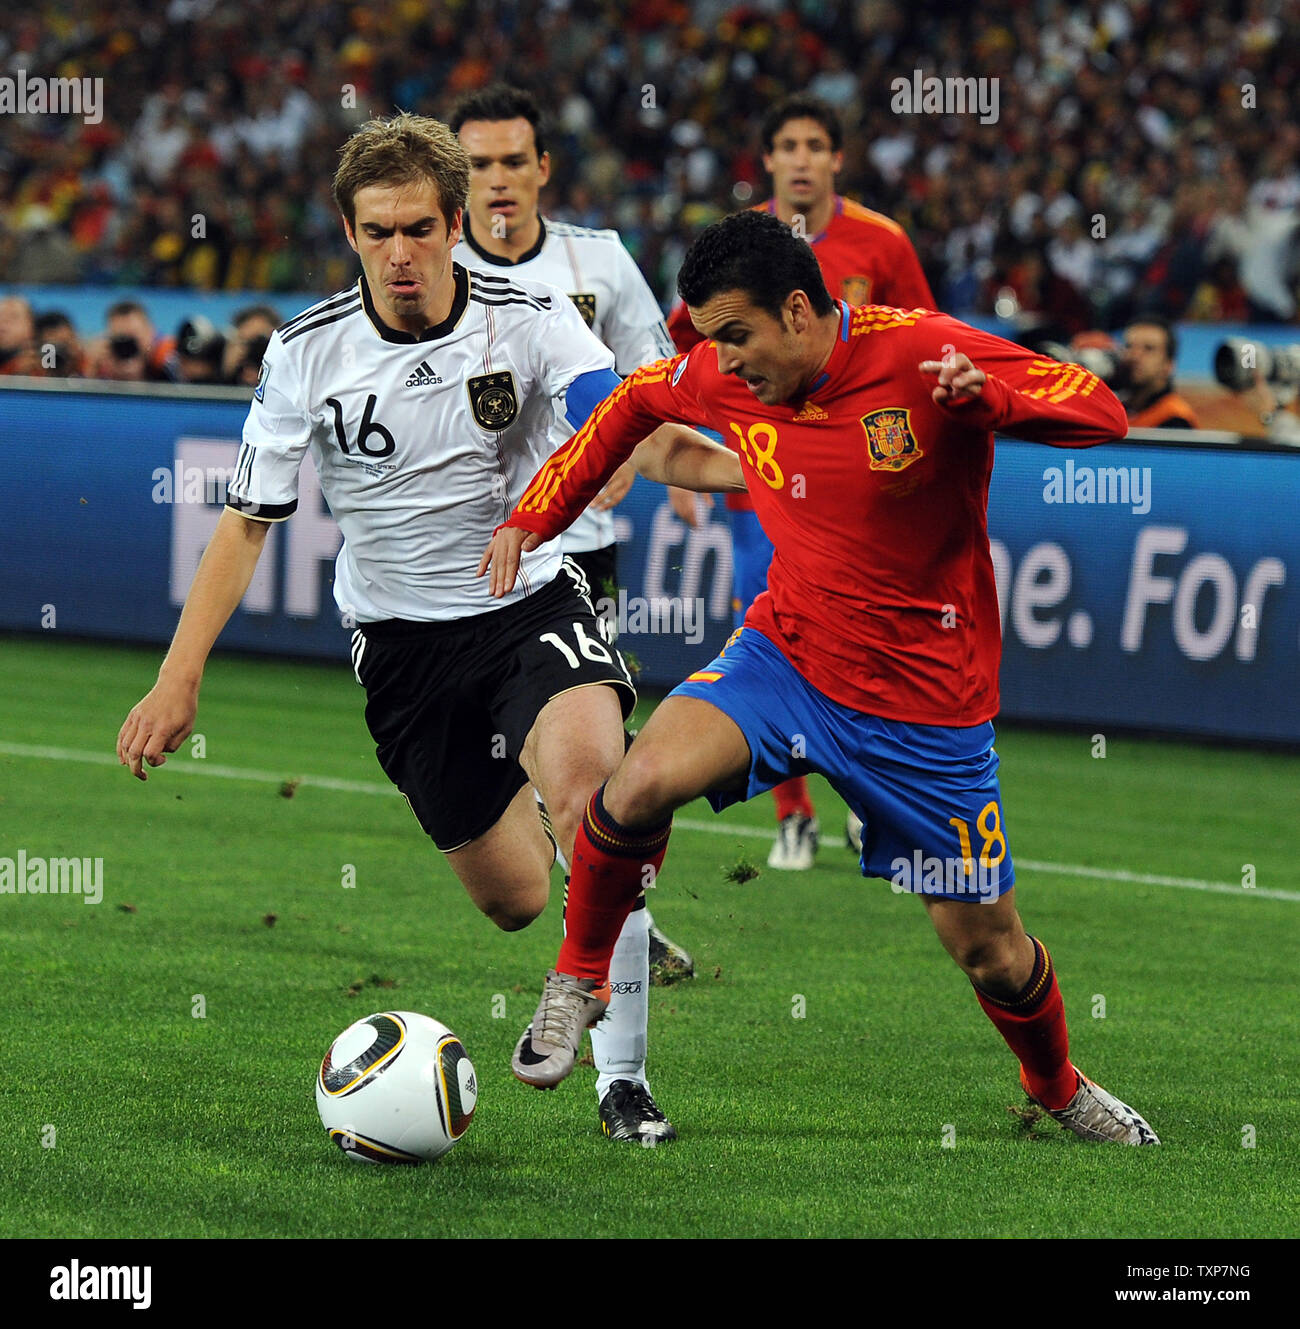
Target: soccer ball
396,1087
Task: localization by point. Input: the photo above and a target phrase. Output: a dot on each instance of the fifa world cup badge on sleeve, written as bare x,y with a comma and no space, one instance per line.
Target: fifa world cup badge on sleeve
890,441
493,398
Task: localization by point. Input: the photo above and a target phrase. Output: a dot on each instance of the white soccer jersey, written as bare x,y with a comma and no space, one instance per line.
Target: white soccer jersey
605,283
423,445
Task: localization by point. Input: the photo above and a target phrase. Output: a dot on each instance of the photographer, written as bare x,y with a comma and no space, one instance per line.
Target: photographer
17,337
130,351
1281,421
251,330
58,345
1150,350
200,351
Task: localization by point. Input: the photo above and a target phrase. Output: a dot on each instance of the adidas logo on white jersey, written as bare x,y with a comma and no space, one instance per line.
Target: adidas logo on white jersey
423,377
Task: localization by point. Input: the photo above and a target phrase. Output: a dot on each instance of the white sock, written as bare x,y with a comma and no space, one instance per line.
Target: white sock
618,1042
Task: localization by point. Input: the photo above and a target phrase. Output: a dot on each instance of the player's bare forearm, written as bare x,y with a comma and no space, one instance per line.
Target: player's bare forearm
684,458
162,719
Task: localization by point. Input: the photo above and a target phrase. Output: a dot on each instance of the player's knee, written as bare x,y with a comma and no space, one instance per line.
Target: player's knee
988,961
513,915
643,790
567,812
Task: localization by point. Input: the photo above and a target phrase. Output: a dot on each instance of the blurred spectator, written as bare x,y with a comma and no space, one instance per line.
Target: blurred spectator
200,351
250,331
1281,421
211,166
58,346
1150,349
131,350
18,354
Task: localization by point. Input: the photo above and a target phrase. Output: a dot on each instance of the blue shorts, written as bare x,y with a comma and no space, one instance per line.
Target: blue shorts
928,795
751,555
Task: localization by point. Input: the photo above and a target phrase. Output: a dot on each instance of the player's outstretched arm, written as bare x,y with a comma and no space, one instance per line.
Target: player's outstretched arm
680,456
162,720
992,383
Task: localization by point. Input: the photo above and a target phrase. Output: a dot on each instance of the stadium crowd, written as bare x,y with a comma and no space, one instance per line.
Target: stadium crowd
1144,157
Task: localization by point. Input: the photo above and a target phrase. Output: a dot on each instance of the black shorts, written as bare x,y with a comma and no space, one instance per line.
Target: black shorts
450,704
601,569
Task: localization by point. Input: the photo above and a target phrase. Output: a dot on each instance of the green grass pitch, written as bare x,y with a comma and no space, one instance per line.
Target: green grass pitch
829,1070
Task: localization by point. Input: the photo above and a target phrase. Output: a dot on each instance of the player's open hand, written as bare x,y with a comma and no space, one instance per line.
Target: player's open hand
501,558
615,490
959,380
156,725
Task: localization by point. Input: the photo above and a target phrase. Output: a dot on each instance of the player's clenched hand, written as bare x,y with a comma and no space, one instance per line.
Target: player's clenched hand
615,490
501,558
959,380
158,724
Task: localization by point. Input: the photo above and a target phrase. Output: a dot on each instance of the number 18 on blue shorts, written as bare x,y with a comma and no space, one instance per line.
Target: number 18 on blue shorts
928,795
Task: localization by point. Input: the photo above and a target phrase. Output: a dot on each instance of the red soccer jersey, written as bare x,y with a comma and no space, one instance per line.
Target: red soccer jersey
864,257
881,589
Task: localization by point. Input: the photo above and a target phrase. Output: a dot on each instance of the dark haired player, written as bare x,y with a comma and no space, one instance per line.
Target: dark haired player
865,257
866,438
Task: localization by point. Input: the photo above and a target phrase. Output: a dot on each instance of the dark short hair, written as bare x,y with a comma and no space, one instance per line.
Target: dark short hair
757,253
268,312
499,101
125,307
1165,326
801,107
51,319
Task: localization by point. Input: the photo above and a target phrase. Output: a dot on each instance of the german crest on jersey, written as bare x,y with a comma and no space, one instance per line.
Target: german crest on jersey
890,441
586,303
493,399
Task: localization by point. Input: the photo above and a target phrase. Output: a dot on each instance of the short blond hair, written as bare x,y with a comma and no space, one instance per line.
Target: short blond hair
403,149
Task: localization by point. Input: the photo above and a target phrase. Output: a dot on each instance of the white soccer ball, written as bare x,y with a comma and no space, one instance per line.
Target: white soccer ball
396,1087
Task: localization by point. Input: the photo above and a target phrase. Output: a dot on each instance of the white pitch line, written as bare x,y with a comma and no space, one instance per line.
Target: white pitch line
189,767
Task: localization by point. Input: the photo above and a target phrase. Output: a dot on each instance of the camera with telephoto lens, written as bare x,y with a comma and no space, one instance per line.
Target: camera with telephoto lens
124,347
1103,361
1237,360
199,339
254,350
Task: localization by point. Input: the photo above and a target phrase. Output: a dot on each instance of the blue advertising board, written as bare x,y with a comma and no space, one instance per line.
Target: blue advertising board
1146,586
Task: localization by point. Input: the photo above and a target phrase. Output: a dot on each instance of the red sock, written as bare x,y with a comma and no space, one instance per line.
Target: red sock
792,796
1033,1024
609,872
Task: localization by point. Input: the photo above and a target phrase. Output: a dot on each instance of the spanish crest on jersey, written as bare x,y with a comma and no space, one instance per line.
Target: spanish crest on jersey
890,441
